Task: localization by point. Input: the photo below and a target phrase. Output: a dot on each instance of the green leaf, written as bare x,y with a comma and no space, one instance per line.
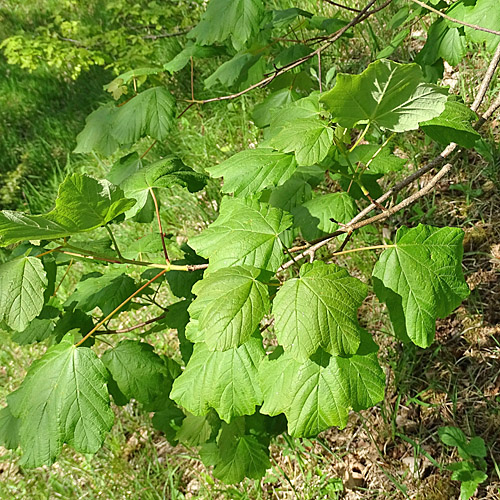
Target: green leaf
184,57
467,473
387,93
169,420
97,134
151,112
82,204
319,309
282,18
395,43
22,283
253,170
453,125
262,112
313,217
138,371
63,399
223,19
291,54
73,320
226,381
229,306
294,192
239,455
443,41
382,161
469,487
484,13
453,436
319,393
36,331
195,430
237,69
303,109
246,232
124,168
104,291
9,429
310,139
164,173
117,87
149,244
420,278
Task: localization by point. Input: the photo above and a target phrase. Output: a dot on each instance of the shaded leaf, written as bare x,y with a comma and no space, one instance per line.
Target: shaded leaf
453,125
138,371
314,216
104,291
421,279
184,57
262,112
164,173
97,134
239,455
37,331
9,429
152,112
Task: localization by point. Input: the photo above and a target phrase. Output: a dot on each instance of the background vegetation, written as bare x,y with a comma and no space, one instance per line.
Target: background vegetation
391,451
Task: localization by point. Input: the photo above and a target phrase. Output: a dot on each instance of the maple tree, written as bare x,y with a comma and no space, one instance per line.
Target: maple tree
243,382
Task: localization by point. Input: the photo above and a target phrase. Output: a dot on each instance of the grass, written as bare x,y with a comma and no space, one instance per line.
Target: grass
389,452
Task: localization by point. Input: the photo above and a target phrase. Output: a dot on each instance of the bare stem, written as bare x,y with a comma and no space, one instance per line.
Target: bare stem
487,79
360,17
158,218
115,244
351,9
374,247
116,309
63,276
135,327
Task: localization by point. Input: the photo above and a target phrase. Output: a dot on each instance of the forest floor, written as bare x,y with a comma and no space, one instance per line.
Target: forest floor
392,451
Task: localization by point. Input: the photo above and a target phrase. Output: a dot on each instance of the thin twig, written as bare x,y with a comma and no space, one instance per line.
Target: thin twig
87,254
63,276
158,218
487,79
351,9
406,202
115,244
166,35
463,23
363,14
116,309
487,115
149,149
363,249
49,251
131,328
192,78
319,72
